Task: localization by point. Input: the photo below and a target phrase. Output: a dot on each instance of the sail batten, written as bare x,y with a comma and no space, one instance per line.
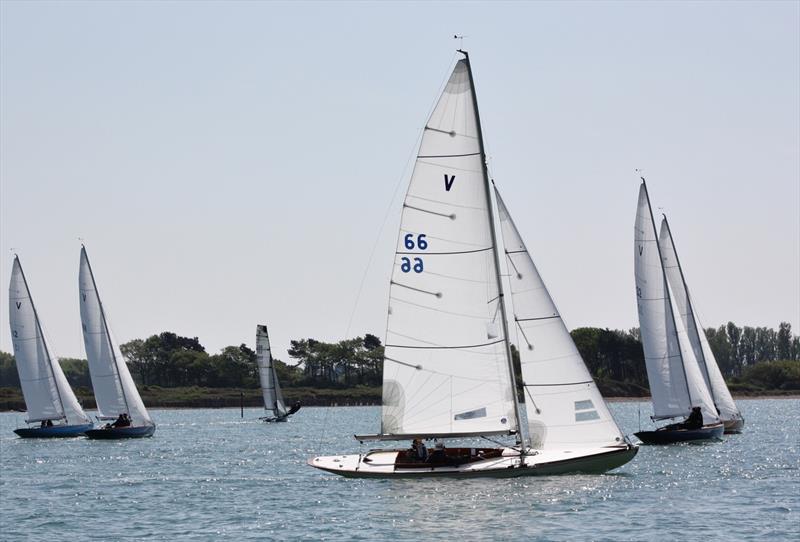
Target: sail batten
114,388
45,389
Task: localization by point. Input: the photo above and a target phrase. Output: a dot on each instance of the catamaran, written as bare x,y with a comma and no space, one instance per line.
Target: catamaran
49,400
677,386
114,389
729,413
448,370
270,388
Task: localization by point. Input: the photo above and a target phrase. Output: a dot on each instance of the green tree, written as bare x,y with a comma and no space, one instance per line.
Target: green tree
784,341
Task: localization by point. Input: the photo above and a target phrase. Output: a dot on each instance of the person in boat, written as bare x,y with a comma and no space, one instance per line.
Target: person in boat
122,421
418,450
294,408
695,419
46,423
438,455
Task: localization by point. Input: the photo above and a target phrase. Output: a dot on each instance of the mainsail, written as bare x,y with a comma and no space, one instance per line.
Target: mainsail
563,405
270,389
47,393
113,385
697,338
446,366
676,383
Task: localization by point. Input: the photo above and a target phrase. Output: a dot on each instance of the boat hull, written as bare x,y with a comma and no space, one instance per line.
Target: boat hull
113,433
733,426
671,436
509,465
56,431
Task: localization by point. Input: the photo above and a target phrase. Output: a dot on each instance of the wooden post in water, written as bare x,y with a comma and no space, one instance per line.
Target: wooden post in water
241,403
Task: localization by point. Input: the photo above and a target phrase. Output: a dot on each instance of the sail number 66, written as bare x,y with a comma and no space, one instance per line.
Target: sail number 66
422,243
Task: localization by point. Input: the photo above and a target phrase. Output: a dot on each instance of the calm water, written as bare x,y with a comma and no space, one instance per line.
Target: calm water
209,475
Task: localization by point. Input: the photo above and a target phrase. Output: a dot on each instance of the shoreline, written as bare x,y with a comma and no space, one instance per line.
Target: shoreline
250,405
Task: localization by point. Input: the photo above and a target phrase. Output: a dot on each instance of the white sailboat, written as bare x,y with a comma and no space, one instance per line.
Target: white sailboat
50,401
114,389
270,387
728,411
447,369
676,382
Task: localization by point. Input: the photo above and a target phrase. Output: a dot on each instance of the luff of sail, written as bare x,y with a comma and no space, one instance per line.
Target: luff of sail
446,364
47,393
564,408
676,384
113,385
270,389
708,364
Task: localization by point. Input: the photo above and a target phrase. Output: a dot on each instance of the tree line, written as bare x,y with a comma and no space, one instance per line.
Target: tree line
614,357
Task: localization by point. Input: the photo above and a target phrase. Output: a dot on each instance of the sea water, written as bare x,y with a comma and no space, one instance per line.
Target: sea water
212,475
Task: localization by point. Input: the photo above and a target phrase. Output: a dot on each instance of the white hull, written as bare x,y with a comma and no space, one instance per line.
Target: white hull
381,464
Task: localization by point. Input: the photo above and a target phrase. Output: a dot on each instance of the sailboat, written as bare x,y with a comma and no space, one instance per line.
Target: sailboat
49,400
729,413
270,388
114,389
676,382
448,370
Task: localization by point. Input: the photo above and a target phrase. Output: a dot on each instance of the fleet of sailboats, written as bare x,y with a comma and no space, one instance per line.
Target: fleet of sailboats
677,385
448,370
463,288
50,401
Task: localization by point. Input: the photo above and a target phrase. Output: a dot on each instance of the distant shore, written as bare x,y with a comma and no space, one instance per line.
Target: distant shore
195,397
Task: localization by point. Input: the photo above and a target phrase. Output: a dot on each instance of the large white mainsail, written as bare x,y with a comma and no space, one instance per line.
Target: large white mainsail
446,368
113,385
563,405
697,337
270,389
47,393
676,383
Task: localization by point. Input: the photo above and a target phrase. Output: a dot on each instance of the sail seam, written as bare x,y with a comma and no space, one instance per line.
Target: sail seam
447,155
562,384
448,253
451,216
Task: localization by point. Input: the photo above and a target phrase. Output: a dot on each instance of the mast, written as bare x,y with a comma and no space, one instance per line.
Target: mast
689,305
44,342
666,291
500,298
108,333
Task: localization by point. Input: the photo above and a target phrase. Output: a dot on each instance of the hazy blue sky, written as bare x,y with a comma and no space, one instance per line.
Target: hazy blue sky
230,164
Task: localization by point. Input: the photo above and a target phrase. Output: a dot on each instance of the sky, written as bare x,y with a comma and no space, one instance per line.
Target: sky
231,164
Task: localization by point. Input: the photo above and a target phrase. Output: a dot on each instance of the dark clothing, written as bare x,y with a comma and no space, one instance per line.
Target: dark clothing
294,408
123,421
695,420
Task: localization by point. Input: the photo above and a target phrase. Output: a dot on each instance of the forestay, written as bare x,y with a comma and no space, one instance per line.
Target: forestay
47,393
697,338
270,389
113,385
676,384
563,405
446,364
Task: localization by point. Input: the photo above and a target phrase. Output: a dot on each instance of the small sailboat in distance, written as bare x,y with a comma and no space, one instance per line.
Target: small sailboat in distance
270,387
48,397
116,393
447,368
677,386
729,413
